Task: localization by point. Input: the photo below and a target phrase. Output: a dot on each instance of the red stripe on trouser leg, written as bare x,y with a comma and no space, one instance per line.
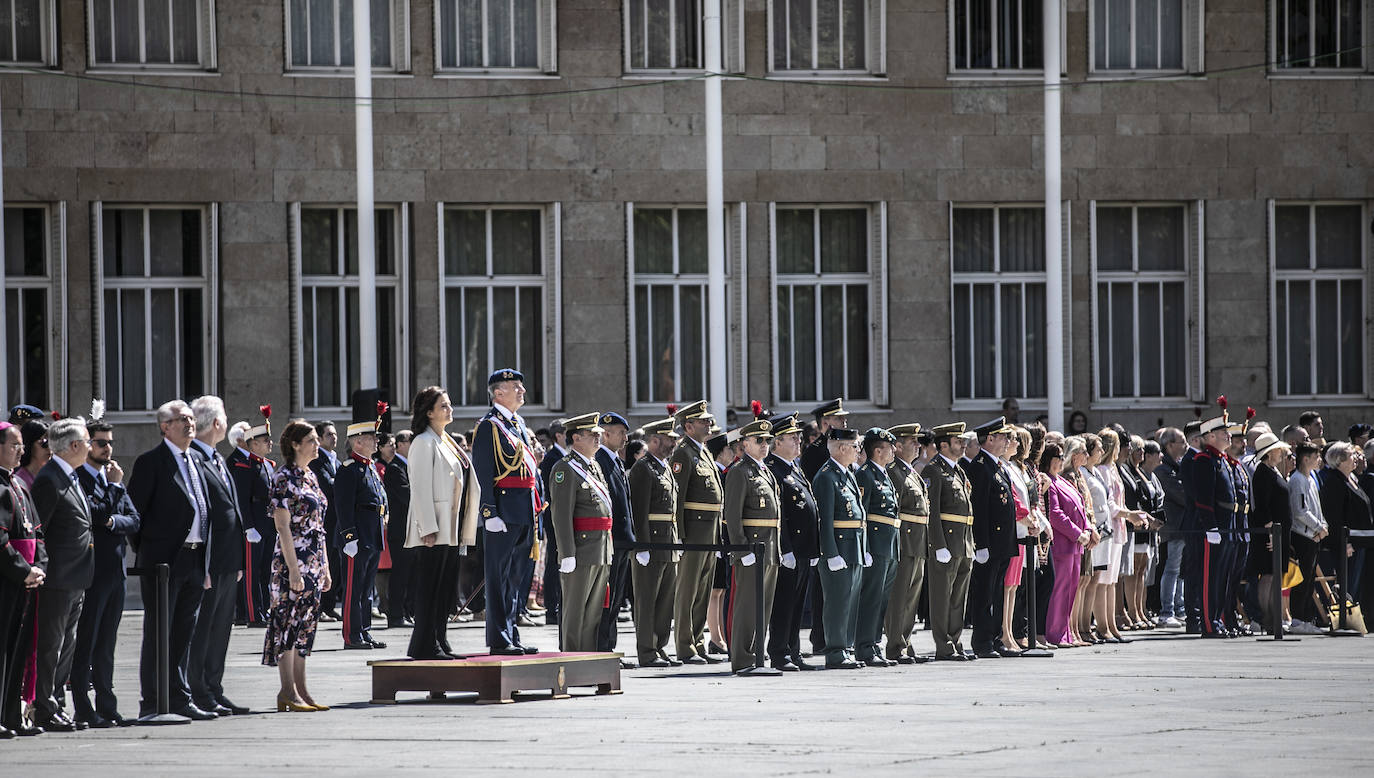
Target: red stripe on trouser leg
1206,585
607,603
248,580
348,604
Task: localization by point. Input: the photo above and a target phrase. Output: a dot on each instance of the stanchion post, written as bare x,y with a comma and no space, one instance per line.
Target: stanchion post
162,576
1033,649
1276,543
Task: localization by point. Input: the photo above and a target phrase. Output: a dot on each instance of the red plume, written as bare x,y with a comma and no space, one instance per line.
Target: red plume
382,408
1221,400
56,416
265,410
1249,413
672,409
756,408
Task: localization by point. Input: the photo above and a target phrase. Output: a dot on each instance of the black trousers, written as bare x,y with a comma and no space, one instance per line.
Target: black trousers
553,585
16,641
608,631
260,565
987,581
184,592
400,593
1194,583
59,613
1300,599
505,558
1044,586
360,576
210,641
784,624
817,599
472,589
93,664
435,582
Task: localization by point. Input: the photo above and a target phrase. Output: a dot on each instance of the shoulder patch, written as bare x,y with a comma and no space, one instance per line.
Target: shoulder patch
677,467
558,477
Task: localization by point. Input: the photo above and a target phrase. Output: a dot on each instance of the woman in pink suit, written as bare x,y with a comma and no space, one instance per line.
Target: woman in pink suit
1072,533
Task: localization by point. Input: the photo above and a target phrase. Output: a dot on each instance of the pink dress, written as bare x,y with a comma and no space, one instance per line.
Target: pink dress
1018,562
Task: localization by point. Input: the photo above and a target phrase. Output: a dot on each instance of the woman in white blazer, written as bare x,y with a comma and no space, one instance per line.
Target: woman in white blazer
444,502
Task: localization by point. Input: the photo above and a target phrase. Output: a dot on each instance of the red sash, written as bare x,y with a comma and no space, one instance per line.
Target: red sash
591,524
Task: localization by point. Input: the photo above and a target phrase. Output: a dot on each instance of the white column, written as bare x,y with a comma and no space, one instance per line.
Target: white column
367,261
715,217
1054,239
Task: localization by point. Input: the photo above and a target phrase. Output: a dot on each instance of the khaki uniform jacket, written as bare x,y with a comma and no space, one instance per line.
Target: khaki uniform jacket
911,501
653,504
949,494
752,508
698,482
572,496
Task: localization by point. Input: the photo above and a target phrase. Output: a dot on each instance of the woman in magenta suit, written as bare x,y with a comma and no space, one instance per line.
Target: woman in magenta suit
1072,533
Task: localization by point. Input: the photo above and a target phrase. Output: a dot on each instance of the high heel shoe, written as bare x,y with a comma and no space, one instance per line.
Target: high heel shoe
315,705
285,704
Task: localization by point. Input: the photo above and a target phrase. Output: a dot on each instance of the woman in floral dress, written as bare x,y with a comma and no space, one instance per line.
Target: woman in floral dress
300,569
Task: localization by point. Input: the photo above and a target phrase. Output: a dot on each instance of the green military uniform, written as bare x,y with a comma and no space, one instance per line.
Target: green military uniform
913,514
879,501
951,515
698,521
752,513
653,504
581,508
842,542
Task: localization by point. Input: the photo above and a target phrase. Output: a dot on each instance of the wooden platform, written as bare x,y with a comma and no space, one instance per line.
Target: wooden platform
496,678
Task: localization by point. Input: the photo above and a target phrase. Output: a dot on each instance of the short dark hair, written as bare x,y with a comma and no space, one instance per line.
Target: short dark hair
321,426
99,426
383,439
1307,417
1306,449
33,431
1051,452
404,436
296,431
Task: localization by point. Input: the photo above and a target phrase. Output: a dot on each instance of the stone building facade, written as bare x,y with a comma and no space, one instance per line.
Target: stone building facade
177,213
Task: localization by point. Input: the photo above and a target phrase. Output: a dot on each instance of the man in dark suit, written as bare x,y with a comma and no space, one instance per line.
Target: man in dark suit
169,492
22,559
798,544
326,467
617,431
226,562
66,521
113,518
252,476
994,537
553,587
396,480
362,511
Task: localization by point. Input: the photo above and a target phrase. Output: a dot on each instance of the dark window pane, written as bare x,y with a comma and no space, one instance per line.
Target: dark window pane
1292,246
133,362
300,40
691,347
1036,340
448,42
532,342
185,32
984,341
319,241
192,344
1114,239
350,219
122,233
526,32
28,30
386,338
1150,342
973,238
689,33
804,335
786,358
1331,331
827,36
653,240
1281,336
796,240
693,245
25,242
1161,235
384,239
856,349
470,40
1352,337
1175,345
328,347
353,347
1104,342
798,46
344,9
26,353
164,345
477,360
1123,340
1022,239
1300,346
844,240
309,328
465,238
515,246
454,365
498,35
319,17
963,387
113,365
833,342
1013,339
174,248
1339,236
503,336
381,33
853,24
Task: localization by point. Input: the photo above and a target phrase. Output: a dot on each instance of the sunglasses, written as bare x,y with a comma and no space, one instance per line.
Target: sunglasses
43,443
102,443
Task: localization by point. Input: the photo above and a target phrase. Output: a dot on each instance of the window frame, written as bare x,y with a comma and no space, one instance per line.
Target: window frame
875,47
1194,298
957,73
1193,19
1364,274
398,281
878,309
54,283
731,41
550,282
547,44
1272,49
207,46
208,284
48,40
400,47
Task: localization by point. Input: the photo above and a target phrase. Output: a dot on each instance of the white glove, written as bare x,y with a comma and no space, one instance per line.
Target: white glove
836,563
815,561
253,535
980,556
642,558
494,524
567,564
720,555
1214,538
748,559
868,559
943,556
351,548
789,561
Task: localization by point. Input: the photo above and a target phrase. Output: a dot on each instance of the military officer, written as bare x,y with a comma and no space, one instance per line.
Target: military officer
512,499
698,520
752,511
1215,498
951,542
1194,545
617,431
581,505
252,474
797,542
1239,540
994,536
361,506
913,516
829,415
653,503
843,547
879,501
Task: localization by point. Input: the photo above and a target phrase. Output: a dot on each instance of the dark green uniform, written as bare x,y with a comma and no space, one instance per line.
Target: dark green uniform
913,511
951,518
752,513
653,503
841,535
698,521
879,501
581,520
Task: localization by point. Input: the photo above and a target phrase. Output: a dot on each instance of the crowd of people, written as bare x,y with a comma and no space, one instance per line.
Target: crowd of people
859,534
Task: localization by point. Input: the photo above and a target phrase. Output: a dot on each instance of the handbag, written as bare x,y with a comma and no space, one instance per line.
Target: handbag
1354,619
1292,576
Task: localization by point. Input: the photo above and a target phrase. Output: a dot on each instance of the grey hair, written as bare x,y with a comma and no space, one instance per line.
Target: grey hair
64,432
1170,435
1336,454
1074,444
171,409
237,433
208,409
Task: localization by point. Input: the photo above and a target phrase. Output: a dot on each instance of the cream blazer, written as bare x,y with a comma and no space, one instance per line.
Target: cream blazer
443,497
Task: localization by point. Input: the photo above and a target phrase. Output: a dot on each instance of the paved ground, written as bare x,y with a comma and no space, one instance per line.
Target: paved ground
1164,703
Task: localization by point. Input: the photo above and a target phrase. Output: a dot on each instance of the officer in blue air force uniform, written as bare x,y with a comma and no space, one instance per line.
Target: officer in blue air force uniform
843,547
512,499
360,499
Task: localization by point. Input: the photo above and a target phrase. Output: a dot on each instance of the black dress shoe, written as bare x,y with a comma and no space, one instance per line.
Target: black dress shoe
988,654
7,734
695,660
234,710
95,721
361,645
626,664
195,714
805,666
951,658
375,643
55,723
715,660
28,731
843,664
217,709
655,662
786,667
508,651
1007,653
527,649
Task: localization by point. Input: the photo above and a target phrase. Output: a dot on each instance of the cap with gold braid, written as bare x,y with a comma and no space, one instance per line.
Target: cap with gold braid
262,429
905,430
785,425
758,428
834,407
369,427
587,422
947,431
661,427
693,412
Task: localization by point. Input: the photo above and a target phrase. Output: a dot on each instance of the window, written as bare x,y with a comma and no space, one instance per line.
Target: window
33,240
501,35
499,269
991,38
667,36
320,35
156,273
28,33
1133,36
1320,36
1321,335
998,308
151,34
327,309
1146,301
827,36
669,303
829,314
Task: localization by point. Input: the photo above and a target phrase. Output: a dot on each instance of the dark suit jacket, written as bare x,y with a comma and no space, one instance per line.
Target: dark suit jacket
361,502
1343,505
66,521
1175,498
113,519
252,486
622,525
164,502
225,551
800,519
325,470
396,479
994,507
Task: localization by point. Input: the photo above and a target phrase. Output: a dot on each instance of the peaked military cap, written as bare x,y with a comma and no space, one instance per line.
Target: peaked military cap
785,424
843,433
587,422
1215,423
717,444
833,408
504,374
758,428
661,427
611,417
912,430
693,411
947,431
990,427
